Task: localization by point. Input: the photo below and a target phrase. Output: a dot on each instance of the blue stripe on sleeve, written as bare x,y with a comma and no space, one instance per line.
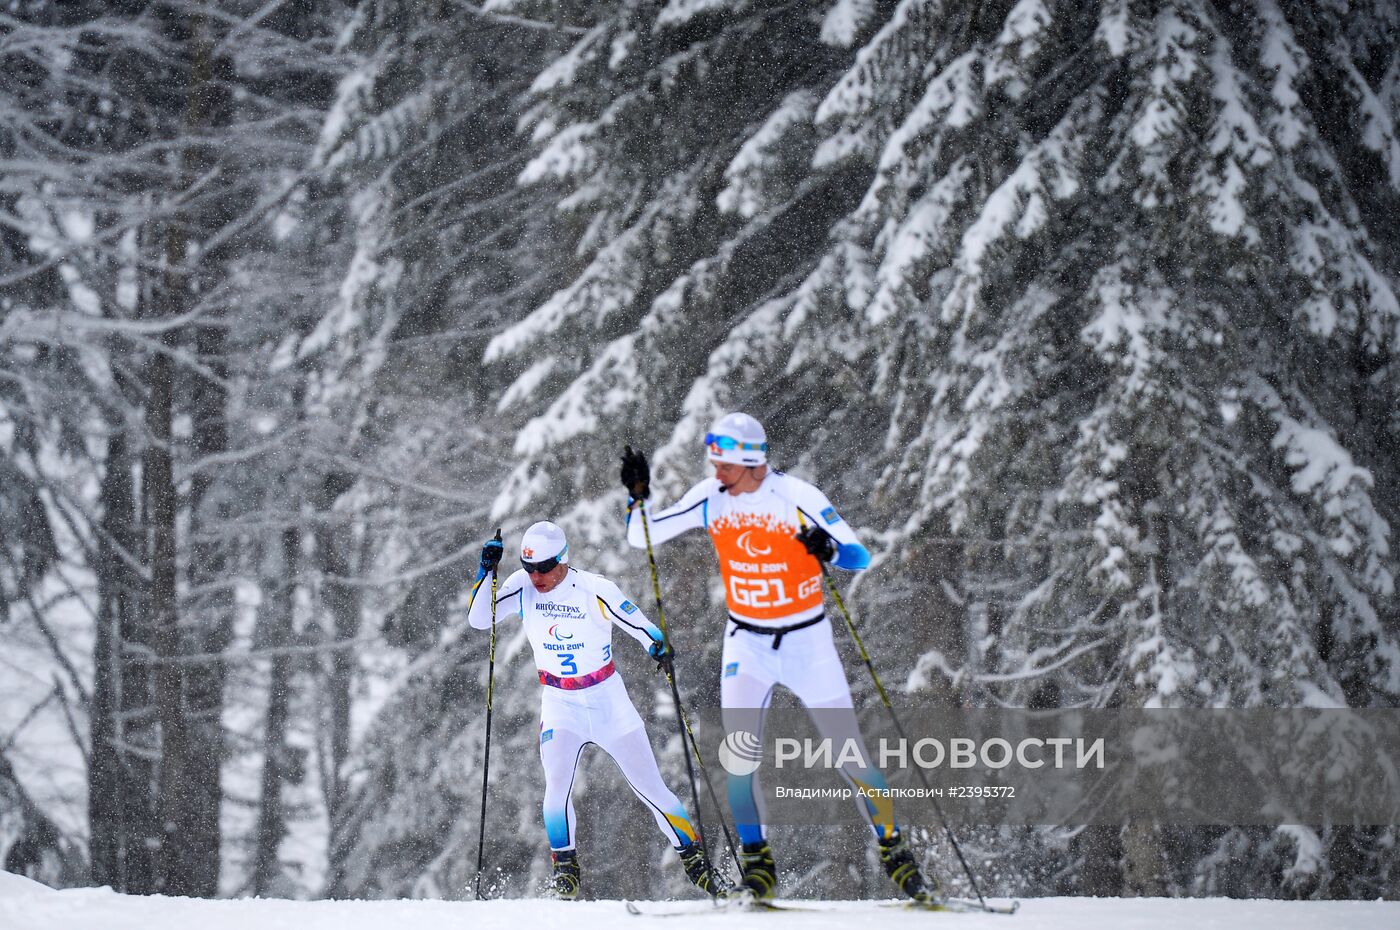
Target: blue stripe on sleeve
678,513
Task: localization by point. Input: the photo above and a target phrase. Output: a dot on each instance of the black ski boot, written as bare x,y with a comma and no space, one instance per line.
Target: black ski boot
565,881
757,871
898,860
701,874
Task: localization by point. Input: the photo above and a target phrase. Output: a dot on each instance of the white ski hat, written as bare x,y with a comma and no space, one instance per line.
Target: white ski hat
739,439
544,541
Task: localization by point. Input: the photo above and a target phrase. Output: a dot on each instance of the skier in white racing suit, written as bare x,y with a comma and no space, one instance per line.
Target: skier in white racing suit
769,531
568,617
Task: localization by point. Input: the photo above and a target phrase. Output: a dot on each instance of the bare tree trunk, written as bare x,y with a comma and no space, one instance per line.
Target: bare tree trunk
342,601
272,826
1144,865
104,764
942,623
174,863
1100,853
209,629
123,829
189,694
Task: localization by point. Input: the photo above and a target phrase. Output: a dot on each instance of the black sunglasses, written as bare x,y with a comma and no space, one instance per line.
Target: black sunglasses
540,568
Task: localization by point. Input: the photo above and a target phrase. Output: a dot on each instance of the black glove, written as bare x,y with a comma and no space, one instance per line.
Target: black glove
818,542
491,554
662,652
636,476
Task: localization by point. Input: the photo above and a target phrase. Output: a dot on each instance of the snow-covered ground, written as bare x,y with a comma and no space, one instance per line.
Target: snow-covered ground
25,905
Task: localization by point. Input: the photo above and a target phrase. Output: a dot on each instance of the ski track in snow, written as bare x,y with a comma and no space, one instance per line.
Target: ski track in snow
25,905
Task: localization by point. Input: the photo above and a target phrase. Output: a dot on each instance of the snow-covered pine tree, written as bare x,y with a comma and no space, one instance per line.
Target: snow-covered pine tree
1113,320
434,244
654,129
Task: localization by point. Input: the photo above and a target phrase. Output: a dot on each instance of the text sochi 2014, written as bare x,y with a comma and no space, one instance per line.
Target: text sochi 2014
959,753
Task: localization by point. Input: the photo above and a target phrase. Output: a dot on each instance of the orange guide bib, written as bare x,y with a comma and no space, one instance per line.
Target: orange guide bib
768,575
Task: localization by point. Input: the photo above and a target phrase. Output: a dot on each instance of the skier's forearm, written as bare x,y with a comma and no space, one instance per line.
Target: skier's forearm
636,535
853,557
645,635
635,625
663,525
479,607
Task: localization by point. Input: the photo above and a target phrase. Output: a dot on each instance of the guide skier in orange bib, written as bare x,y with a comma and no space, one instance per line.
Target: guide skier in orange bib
769,530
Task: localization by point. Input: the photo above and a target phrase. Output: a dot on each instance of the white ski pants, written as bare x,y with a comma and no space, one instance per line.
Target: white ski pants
807,664
604,716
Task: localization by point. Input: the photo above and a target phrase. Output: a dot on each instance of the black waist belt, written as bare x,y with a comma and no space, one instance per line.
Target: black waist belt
777,632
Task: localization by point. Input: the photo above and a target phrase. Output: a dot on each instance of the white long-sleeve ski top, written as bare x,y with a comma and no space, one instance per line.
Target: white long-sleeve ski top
769,577
570,628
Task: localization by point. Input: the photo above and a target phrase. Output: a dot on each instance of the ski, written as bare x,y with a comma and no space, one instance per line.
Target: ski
956,906
772,906
674,908
698,908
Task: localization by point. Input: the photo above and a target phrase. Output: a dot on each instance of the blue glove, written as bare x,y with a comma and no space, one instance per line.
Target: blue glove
491,554
662,653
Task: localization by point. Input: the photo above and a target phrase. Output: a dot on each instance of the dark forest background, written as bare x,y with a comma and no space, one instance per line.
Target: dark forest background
1084,313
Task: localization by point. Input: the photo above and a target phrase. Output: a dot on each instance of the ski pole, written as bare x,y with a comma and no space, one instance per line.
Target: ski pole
686,731
486,756
899,727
